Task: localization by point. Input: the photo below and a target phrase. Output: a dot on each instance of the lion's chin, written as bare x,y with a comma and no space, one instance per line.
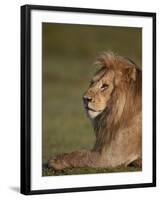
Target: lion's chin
93,114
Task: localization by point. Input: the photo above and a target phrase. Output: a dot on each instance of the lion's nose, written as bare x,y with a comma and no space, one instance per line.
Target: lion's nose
87,99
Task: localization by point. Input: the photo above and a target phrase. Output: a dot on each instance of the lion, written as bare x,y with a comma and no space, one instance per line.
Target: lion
113,103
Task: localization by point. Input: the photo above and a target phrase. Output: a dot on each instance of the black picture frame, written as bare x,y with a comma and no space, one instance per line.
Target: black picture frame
26,98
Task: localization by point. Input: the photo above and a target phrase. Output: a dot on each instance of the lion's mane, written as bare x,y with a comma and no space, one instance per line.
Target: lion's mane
125,101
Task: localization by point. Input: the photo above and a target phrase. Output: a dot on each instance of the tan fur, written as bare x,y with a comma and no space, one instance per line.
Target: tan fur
113,104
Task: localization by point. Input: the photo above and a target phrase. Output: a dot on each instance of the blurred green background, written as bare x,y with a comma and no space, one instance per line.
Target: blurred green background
69,52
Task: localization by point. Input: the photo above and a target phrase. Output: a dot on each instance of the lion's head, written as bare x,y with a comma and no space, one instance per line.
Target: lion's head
99,92
116,77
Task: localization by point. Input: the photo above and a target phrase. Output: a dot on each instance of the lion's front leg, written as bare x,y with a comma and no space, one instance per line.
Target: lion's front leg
81,158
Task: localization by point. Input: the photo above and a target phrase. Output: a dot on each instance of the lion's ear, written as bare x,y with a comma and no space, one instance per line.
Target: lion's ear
132,73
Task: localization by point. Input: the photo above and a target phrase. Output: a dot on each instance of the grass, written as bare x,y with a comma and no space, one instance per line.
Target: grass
65,125
76,171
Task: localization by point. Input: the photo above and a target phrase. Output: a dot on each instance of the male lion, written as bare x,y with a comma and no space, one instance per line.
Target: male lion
113,102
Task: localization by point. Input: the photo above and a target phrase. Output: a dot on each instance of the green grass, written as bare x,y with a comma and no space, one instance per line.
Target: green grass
76,171
65,125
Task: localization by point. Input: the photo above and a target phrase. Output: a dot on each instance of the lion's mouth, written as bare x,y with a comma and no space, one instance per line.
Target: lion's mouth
87,108
91,109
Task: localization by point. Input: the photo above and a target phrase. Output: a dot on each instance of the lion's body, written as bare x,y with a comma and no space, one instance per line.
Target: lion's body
124,148
113,104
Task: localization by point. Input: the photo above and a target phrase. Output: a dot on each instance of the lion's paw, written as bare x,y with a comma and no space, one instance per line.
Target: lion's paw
56,164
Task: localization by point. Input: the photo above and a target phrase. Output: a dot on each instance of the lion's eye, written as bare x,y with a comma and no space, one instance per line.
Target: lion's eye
104,86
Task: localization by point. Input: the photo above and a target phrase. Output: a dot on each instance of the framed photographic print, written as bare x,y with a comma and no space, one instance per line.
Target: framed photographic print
88,99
